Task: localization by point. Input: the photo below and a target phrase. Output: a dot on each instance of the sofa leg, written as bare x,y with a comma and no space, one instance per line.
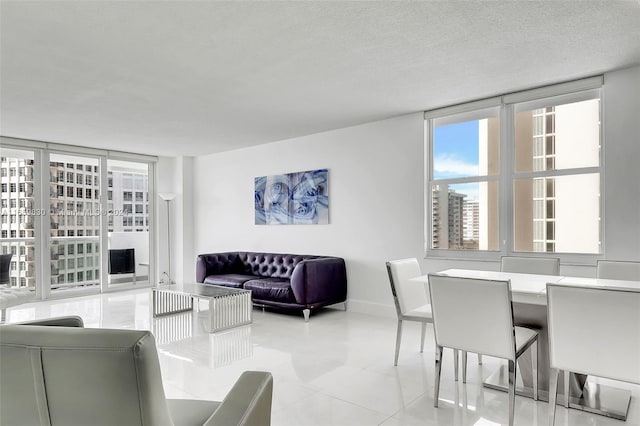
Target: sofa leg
345,306
306,313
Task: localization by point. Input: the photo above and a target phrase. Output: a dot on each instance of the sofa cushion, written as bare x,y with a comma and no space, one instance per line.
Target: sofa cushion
270,289
229,280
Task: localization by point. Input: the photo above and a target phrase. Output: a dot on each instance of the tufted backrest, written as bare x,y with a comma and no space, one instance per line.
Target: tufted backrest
273,265
221,263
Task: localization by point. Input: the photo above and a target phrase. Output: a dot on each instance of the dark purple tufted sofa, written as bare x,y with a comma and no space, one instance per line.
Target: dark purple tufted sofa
288,281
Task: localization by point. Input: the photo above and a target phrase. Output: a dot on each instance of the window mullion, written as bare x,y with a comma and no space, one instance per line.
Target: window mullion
554,173
507,167
453,181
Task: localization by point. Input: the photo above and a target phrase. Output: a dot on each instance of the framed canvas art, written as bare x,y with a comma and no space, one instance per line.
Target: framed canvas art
300,198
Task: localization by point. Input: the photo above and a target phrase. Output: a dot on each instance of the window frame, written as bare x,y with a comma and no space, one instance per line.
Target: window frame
509,105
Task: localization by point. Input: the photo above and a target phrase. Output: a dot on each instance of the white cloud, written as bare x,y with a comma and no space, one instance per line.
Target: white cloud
448,165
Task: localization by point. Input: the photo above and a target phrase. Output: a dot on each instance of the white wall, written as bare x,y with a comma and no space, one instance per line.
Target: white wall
376,174
375,200
622,162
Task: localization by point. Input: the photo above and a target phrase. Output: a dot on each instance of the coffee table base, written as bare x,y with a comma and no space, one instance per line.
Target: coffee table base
228,311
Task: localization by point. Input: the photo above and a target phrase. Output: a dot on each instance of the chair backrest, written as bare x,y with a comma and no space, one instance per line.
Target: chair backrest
407,295
530,265
474,315
594,331
93,377
122,261
618,270
5,266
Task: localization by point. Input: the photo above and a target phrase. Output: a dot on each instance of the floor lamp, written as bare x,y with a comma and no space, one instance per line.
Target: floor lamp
168,197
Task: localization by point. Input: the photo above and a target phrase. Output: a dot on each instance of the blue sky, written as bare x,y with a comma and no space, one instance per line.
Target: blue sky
455,150
455,154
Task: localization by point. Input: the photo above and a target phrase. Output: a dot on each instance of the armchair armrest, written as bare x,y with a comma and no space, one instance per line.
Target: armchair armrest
248,403
69,321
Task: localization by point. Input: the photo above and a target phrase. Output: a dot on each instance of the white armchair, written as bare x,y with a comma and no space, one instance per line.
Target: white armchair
107,377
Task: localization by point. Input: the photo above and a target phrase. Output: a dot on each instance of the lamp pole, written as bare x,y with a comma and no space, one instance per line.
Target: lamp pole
167,197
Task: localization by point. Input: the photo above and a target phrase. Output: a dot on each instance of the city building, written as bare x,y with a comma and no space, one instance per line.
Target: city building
448,218
471,224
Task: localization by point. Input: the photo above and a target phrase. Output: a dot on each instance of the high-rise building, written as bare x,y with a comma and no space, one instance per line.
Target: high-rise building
558,214
128,199
74,208
448,215
471,224
17,227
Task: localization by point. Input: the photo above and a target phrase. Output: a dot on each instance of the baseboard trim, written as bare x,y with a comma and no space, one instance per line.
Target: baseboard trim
371,308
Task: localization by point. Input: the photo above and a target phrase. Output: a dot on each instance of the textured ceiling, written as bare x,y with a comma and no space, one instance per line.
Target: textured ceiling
188,78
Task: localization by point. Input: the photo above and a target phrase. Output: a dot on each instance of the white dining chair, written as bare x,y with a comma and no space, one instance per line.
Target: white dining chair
530,265
618,270
581,320
476,315
411,300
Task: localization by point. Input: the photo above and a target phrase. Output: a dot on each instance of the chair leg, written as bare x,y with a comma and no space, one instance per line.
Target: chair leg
464,366
534,368
455,365
436,379
398,339
479,359
424,331
512,390
553,394
566,388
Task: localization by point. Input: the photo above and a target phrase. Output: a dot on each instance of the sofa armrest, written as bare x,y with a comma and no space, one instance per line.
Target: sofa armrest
321,281
201,268
215,263
248,403
70,321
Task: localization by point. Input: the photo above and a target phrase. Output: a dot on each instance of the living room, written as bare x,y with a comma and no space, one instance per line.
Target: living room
338,367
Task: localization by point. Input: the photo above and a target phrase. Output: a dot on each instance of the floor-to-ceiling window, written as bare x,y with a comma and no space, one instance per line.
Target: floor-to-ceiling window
128,210
19,214
74,219
65,207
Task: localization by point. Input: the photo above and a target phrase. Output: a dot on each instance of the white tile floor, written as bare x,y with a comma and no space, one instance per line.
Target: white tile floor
336,369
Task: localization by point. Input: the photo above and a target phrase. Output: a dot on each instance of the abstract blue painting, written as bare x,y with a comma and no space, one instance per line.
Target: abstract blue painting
292,198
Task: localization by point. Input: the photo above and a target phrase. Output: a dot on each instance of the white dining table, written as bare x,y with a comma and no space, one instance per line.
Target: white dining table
529,296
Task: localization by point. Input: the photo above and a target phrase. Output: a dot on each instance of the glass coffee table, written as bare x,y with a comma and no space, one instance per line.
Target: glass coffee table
228,307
